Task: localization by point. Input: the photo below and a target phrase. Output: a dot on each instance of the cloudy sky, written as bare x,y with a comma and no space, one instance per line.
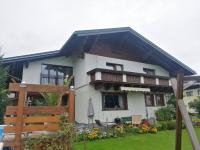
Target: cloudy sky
31,26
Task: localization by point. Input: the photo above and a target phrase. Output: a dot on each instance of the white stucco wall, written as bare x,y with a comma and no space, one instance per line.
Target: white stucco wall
188,99
136,106
84,91
95,61
31,74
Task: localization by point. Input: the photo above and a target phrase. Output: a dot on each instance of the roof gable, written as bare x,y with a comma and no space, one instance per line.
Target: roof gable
146,51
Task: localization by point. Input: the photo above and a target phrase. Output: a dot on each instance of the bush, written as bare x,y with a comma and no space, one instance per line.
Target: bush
133,130
165,113
171,125
145,127
195,105
168,125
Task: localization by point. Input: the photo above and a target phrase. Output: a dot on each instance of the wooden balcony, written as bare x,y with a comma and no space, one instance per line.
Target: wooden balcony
126,78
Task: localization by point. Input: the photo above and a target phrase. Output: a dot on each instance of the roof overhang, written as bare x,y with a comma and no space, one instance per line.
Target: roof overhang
31,57
83,40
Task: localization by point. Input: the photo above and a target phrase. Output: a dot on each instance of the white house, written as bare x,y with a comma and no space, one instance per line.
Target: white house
122,72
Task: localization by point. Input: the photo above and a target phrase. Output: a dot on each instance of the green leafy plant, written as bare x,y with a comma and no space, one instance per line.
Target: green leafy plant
195,105
51,99
165,113
3,90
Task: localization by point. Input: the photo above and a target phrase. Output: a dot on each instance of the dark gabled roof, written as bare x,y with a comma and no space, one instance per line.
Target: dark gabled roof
78,39
81,40
31,57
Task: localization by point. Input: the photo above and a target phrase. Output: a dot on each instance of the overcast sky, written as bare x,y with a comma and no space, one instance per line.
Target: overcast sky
31,26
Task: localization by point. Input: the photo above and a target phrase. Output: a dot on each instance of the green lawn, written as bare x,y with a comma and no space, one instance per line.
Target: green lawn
164,140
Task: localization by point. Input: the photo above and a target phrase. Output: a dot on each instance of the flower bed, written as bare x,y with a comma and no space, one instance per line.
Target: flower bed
115,131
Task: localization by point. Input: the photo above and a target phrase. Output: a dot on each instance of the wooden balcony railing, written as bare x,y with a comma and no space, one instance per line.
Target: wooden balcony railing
111,77
123,77
133,79
149,80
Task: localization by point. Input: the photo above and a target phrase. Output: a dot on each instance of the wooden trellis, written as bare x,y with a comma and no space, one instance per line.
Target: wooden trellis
23,119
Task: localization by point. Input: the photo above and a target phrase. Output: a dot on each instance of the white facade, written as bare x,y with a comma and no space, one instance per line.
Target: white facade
31,74
187,98
85,91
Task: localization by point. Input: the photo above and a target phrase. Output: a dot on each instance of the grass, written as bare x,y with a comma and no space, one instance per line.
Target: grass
163,140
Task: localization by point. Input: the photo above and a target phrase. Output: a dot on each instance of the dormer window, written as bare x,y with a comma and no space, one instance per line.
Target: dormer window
149,71
117,67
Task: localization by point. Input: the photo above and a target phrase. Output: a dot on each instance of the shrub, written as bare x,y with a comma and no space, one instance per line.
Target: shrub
145,127
119,131
94,134
165,113
195,105
133,130
171,125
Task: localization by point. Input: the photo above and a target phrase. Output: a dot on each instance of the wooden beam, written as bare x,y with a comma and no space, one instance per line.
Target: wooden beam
179,95
31,128
71,106
34,119
19,119
189,126
56,110
15,87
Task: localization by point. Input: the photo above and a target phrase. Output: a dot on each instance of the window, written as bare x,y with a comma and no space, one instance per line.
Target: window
160,100
54,74
149,71
114,101
149,100
189,93
198,92
113,66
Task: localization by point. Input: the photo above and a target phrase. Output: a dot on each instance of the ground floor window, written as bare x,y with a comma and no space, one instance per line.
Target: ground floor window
160,100
114,101
152,100
149,100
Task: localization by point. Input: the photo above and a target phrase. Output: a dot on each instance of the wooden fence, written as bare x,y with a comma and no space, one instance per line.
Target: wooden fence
22,119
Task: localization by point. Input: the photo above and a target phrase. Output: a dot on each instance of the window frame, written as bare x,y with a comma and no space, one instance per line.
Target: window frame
49,76
162,98
152,99
146,70
125,101
114,65
198,92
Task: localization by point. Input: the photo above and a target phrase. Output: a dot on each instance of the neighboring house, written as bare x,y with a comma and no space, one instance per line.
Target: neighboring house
122,72
190,94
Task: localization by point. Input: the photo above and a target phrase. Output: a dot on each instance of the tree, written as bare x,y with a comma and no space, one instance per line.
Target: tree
3,90
169,112
195,105
172,101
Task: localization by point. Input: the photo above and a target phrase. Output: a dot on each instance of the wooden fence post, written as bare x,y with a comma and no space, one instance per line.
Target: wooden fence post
71,106
19,119
179,95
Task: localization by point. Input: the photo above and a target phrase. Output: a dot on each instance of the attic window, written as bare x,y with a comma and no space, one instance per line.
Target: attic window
113,66
149,71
